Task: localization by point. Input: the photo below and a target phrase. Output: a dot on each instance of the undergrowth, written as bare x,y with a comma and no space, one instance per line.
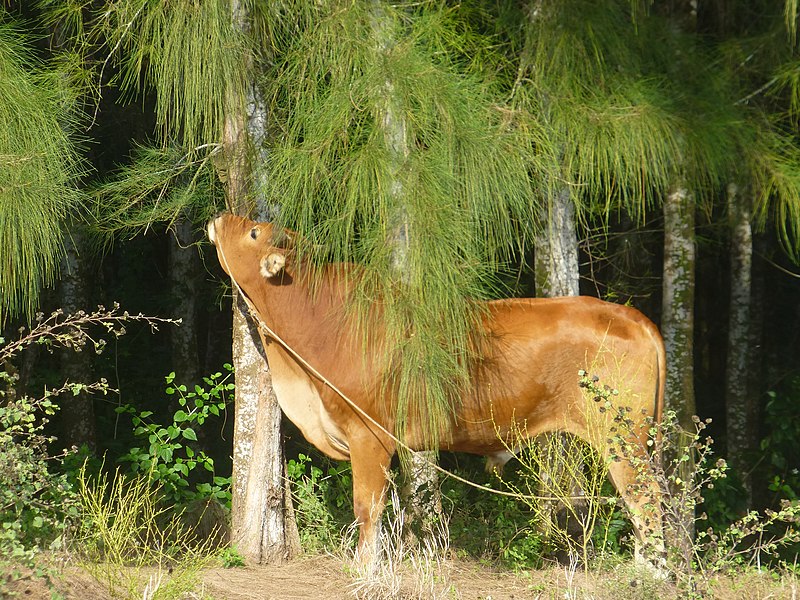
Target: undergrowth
39,503
133,543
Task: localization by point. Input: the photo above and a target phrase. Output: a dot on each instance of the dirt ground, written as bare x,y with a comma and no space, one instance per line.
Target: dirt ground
311,578
325,577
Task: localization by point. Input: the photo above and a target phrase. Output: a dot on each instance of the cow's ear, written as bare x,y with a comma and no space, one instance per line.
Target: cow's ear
272,264
282,238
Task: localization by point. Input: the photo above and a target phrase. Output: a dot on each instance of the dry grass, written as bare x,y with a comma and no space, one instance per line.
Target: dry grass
407,568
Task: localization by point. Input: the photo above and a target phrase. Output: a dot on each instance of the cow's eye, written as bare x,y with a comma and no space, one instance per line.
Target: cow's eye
254,232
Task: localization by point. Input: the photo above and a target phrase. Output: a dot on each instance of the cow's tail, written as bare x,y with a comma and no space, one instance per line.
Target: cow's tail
661,383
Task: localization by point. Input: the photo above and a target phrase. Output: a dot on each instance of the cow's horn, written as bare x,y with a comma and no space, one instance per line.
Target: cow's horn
272,264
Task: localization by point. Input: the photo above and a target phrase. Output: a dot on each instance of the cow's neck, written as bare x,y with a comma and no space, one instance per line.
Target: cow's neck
305,317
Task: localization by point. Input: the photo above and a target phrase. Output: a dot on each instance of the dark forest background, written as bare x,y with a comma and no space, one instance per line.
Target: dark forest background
166,267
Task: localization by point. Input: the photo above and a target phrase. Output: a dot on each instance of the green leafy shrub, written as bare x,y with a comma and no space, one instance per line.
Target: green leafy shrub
323,500
38,501
492,527
166,451
230,557
779,448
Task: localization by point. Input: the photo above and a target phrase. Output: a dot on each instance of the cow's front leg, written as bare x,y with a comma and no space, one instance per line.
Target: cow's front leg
371,457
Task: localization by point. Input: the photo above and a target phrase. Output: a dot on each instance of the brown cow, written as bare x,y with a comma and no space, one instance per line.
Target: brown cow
527,379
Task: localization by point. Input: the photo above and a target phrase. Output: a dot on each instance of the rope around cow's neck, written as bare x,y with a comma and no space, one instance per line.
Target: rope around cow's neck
271,333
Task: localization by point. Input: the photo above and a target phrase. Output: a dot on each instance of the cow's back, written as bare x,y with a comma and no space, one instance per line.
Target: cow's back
533,355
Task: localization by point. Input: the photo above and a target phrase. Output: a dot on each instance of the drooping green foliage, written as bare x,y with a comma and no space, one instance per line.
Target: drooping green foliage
776,181
764,72
160,185
194,59
627,103
38,172
190,53
392,154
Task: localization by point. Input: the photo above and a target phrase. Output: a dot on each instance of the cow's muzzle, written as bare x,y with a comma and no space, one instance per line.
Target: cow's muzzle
211,230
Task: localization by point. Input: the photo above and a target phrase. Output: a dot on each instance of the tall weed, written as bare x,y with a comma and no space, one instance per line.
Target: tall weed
133,543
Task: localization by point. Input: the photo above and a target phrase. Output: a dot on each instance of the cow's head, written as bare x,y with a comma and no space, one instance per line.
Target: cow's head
247,249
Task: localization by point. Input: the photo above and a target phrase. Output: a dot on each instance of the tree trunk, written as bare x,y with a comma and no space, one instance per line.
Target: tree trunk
677,319
421,493
77,412
677,328
556,249
738,400
757,381
261,500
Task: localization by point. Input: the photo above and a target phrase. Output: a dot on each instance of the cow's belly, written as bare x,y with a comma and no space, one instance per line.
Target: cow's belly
301,402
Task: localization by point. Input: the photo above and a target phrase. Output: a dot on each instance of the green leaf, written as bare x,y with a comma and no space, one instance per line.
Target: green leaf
180,416
189,434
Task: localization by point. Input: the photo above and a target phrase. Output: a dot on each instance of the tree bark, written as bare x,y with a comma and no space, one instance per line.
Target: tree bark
420,490
77,412
259,527
677,328
260,498
677,319
556,249
757,381
738,400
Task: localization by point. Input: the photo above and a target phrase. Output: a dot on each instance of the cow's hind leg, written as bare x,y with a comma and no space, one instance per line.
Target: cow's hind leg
371,459
641,493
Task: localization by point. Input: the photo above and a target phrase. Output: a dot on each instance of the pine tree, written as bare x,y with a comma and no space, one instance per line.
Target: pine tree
39,170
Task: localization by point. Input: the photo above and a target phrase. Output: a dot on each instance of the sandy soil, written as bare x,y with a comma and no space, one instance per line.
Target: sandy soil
325,577
310,578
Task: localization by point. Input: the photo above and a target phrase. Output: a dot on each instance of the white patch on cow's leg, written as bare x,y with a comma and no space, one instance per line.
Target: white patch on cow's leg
368,551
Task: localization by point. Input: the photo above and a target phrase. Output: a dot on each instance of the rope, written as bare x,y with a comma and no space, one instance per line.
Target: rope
272,334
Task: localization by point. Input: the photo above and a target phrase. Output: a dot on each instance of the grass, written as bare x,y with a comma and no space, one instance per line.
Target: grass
408,568
135,546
